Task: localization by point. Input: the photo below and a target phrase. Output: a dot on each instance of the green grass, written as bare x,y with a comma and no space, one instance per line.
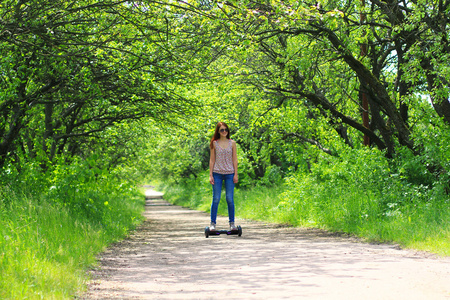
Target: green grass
46,247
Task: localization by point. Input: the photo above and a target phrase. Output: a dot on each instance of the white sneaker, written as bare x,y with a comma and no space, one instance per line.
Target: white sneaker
212,226
233,227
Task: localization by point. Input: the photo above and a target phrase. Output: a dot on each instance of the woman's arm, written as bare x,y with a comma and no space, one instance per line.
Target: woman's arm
235,162
212,160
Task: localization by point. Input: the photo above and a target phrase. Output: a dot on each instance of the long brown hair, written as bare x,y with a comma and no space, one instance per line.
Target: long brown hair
216,135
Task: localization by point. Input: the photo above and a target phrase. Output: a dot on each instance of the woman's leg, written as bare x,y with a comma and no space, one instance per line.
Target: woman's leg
217,190
229,189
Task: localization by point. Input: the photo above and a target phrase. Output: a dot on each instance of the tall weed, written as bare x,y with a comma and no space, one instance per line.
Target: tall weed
364,194
52,229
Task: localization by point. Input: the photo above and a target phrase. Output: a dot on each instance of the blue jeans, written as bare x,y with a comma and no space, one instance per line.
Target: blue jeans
217,190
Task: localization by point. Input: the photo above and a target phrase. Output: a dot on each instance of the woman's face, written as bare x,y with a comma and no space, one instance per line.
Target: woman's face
223,131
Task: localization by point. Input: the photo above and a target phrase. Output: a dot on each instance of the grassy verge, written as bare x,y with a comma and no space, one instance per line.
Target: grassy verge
46,246
390,212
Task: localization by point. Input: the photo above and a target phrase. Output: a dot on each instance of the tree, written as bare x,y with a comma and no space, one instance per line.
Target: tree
309,53
70,69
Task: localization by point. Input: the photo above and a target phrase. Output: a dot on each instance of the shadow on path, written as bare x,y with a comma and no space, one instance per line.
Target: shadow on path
168,257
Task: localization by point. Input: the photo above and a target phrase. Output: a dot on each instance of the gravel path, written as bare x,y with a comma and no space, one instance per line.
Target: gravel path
168,257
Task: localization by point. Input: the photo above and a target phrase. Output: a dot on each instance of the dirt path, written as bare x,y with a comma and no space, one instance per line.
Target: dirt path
170,258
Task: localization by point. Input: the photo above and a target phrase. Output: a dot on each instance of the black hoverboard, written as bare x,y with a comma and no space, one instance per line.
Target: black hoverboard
237,232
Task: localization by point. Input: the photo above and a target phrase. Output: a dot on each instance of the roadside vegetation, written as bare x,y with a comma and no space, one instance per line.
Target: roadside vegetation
54,225
340,111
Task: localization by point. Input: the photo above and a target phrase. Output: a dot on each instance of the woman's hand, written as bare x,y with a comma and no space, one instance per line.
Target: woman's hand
211,179
235,178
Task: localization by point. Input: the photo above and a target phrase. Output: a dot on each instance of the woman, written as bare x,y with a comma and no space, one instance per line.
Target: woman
222,168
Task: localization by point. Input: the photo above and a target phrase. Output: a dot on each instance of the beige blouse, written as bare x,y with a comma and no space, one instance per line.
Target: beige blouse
224,159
